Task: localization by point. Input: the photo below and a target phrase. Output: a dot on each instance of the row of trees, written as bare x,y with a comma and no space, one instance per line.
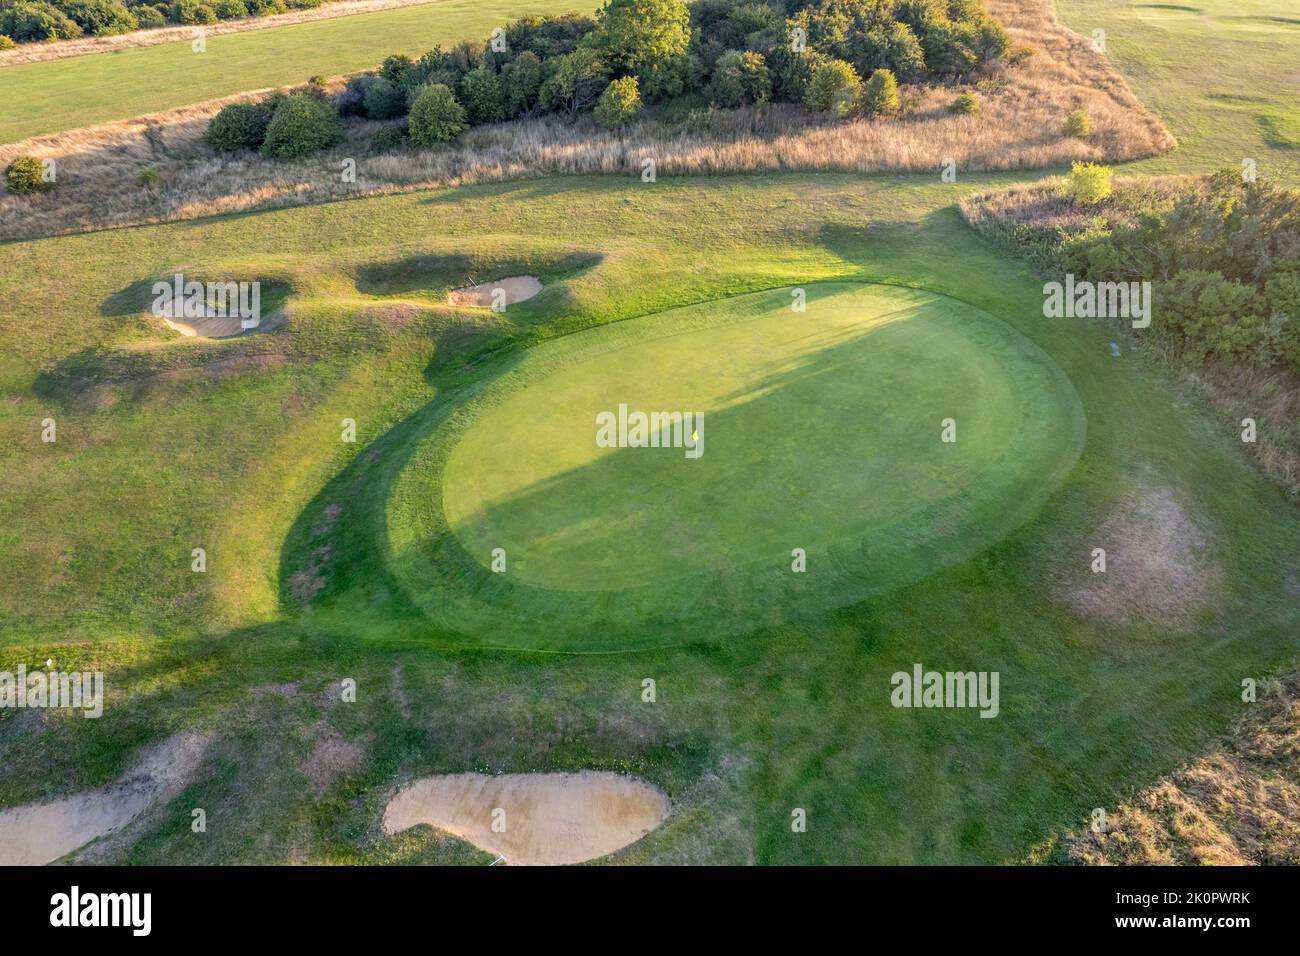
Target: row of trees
1225,260
32,21
840,57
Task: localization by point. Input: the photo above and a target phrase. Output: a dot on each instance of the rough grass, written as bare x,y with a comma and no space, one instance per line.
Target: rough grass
1237,805
1019,127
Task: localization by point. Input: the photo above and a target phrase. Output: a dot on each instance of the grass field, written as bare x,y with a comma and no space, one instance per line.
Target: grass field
1224,75
81,91
305,587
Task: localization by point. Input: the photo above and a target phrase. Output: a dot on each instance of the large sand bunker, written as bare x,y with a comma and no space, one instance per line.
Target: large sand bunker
545,819
39,833
513,289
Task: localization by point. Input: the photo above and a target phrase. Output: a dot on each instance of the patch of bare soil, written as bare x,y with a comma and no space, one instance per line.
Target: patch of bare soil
39,833
507,291
1237,805
1158,563
541,819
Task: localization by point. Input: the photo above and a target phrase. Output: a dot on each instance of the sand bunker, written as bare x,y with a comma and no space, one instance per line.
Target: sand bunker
548,818
515,289
220,326
39,833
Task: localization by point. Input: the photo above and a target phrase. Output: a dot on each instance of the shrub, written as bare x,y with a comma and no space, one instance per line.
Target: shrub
303,4
100,17
1217,317
386,140
301,124
1078,124
965,104
384,99
238,126
229,9
619,103
834,88
24,176
484,96
436,116
148,177
149,18
193,12
740,78
34,22
881,95
7,43
1088,183
265,8
351,100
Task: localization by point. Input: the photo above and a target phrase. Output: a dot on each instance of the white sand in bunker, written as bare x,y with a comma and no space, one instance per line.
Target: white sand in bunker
544,819
38,833
513,289
220,326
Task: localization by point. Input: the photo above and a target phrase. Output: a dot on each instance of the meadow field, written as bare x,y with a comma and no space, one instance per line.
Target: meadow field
329,560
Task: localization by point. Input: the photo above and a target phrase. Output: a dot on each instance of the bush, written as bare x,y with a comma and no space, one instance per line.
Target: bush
229,9
351,100
881,95
522,79
7,43
384,99
100,17
149,18
35,22
265,8
619,103
148,177
301,124
24,176
238,126
436,116
1088,183
484,96
834,88
386,140
965,104
740,78
1217,317
1078,124
193,12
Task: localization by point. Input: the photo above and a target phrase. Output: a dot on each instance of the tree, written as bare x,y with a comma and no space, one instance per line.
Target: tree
35,22
301,124
484,96
834,88
436,116
1088,183
239,126
881,95
521,79
619,103
384,99
575,82
634,34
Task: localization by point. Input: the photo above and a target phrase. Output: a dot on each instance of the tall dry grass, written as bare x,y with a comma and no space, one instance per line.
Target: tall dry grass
1018,127
59,49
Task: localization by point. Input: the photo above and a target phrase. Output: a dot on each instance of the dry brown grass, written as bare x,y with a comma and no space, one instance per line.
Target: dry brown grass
59,49
1237,805
1018,127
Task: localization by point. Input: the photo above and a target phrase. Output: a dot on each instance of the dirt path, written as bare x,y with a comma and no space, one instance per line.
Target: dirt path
533,819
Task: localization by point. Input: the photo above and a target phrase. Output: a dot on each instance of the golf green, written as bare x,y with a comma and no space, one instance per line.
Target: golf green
819,429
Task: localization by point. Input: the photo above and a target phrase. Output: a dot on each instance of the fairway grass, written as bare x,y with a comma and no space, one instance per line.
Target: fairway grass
59,95
821,432
1223,75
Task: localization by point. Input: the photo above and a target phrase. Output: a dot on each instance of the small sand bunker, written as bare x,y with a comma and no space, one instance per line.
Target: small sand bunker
39,833
220,326
547,819
1157,563
514,288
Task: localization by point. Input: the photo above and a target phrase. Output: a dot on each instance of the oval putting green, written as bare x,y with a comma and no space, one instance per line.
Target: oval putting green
816,432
